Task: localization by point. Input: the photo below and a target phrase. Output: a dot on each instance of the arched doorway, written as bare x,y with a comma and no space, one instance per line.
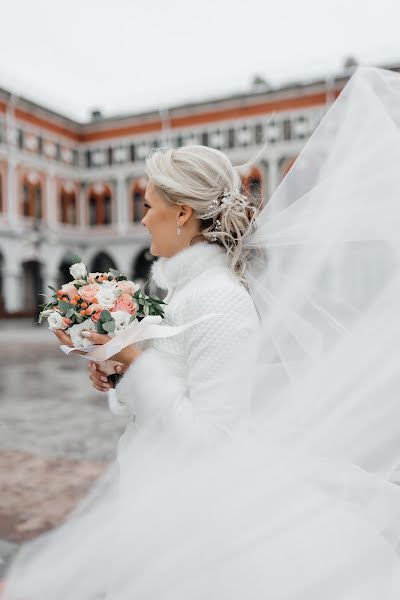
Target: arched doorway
2,299
141,270
63,275
32,287
102,263
1,193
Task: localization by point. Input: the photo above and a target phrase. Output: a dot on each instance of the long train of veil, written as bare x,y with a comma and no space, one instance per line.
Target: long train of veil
307,507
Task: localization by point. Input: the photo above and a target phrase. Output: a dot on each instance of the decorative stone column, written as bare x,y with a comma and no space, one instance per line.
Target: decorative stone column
274,176
122,205
51,200
12,200
13,296
82,208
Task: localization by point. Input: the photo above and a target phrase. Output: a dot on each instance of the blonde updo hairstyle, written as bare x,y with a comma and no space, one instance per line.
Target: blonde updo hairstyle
205,179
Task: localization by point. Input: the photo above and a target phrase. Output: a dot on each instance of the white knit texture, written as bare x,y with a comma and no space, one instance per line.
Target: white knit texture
182,382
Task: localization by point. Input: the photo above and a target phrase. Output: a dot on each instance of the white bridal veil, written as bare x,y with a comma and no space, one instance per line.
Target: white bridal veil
306,507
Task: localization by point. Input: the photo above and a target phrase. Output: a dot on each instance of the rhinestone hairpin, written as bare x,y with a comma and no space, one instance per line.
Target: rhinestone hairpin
217,227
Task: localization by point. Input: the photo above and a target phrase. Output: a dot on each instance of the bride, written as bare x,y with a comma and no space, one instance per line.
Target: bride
260,456
197,218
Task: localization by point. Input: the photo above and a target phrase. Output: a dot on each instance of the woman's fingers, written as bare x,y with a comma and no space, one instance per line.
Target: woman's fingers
98,378
63,337
96,338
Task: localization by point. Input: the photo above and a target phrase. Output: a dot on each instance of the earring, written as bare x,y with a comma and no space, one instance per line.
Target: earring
178,230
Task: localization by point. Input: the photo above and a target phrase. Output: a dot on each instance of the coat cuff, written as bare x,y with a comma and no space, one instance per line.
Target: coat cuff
115,404
147,387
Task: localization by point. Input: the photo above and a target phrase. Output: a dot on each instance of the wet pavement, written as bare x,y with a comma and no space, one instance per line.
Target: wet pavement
56,433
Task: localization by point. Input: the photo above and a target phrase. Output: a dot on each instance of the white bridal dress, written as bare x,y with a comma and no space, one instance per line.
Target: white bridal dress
260,457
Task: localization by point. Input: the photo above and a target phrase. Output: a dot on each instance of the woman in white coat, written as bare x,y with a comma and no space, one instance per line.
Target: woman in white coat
198,218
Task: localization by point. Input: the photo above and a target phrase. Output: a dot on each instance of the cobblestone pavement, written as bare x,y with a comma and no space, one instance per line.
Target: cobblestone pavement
56,433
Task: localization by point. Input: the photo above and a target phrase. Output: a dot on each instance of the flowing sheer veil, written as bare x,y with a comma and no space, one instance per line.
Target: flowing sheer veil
328,289
306,507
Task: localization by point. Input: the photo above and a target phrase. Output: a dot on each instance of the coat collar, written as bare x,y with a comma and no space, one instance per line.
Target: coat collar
170,273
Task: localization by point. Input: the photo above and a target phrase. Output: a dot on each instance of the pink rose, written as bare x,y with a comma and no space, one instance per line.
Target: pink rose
92,277
69,290
125,302
88,292
127,287
96,311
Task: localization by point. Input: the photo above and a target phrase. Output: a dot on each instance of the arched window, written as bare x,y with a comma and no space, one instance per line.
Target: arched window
252,184
32,286
68,204
137,196
100,205
102,263
32,196
141,270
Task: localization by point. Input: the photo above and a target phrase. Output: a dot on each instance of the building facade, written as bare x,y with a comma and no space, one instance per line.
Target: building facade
68,188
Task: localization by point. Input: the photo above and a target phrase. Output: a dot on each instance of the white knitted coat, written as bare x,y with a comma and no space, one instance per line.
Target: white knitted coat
185,383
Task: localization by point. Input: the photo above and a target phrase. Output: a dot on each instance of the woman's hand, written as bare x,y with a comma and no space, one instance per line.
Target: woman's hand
99,378
65,339
126,356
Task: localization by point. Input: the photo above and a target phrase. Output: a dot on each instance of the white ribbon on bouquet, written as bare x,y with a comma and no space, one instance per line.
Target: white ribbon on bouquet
150,327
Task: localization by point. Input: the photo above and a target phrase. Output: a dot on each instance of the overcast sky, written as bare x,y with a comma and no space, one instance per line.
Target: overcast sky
130,55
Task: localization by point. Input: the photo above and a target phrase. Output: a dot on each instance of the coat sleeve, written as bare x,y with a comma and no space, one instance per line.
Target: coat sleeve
211,398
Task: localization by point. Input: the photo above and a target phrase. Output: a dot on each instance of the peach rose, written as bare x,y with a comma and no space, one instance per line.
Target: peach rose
127,287
95,312
88,292
125,302
92,277
69,290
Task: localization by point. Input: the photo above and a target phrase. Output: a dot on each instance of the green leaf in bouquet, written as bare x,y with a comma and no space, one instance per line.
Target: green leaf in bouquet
51,287
105,316
69,313
99,327
75,259
78,317
122,278
141,301
109,326
63,306
156,300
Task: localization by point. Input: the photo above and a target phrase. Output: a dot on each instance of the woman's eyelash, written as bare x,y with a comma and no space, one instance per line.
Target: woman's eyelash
147,205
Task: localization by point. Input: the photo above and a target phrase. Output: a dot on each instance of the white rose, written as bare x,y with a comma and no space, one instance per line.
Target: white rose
76,333
78,270
107,294
121,318
56,321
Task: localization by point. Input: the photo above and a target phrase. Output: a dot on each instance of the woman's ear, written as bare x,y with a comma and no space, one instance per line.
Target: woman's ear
184,214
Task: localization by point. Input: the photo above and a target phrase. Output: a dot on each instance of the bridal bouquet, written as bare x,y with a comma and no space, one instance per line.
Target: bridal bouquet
104,302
